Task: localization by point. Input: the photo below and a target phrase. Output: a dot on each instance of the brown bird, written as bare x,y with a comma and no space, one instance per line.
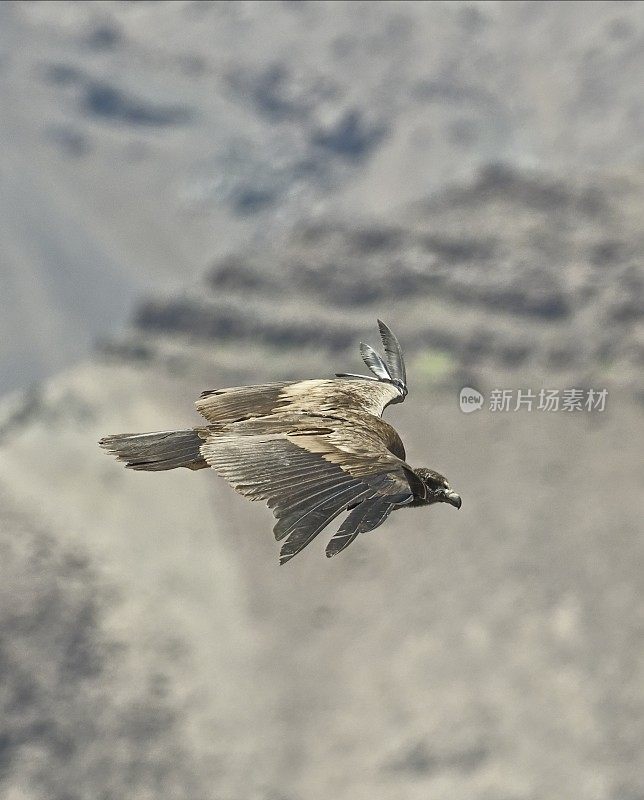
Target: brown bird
312,449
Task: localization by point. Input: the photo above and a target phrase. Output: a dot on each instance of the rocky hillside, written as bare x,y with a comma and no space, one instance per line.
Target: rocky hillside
141,140
487,653
232,193
490,652
512,275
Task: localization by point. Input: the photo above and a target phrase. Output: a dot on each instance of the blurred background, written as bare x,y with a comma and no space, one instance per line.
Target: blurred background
202,194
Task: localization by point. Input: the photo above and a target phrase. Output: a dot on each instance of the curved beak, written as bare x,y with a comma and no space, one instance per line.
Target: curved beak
453,499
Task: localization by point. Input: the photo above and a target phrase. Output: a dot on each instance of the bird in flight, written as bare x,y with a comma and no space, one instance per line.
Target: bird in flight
311,449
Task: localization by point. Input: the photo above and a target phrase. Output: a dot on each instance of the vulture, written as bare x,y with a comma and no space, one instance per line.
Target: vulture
311,449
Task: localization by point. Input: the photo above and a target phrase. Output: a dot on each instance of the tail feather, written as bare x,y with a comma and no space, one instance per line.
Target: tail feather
157,451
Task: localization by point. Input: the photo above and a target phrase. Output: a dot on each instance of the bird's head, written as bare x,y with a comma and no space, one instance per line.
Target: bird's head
437,487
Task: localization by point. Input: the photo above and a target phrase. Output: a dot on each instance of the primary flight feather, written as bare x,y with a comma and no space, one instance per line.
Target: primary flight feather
311,449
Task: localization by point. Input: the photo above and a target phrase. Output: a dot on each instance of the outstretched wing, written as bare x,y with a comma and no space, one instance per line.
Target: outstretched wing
331,396
308,472
347,392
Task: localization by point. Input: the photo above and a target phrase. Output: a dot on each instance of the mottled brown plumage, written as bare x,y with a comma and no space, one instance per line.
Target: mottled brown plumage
311,449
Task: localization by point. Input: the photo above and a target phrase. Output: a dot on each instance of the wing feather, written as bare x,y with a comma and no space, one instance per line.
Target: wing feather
375,363
304,535
317,508
366,516
393,353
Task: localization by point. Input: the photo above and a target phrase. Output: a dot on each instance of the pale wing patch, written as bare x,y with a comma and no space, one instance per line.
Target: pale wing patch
338,394
365,457
329,396
240,403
